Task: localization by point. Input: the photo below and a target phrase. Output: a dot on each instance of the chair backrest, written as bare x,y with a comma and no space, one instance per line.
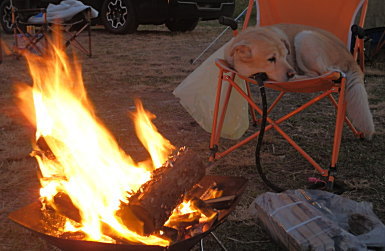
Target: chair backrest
335,16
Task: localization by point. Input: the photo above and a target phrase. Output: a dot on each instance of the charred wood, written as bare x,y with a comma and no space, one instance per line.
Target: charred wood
223,202
152,205
63,205
44,149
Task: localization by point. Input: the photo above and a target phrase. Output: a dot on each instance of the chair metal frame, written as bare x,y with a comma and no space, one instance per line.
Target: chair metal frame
328,84
72,35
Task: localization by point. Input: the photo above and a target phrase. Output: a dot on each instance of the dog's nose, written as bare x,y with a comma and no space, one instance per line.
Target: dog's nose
290,74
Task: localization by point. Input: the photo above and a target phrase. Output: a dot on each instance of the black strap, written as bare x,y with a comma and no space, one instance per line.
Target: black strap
260,78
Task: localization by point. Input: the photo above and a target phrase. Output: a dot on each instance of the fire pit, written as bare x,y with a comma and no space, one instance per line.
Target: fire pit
93,194
37,220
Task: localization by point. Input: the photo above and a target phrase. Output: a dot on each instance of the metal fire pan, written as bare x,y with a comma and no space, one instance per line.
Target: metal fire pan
33,218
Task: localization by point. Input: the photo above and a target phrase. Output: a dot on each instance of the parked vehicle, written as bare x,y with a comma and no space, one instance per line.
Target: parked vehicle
124,16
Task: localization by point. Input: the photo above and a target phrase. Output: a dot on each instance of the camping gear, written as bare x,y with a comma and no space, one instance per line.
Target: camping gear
32,25
197,95
319,220
314,13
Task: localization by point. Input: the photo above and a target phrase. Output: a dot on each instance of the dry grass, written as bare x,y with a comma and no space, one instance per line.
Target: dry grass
149,65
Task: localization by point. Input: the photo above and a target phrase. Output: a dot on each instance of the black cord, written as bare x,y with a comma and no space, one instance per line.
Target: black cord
260,78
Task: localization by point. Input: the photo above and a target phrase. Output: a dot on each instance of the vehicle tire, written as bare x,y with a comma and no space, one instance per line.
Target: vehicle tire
118,16
6,16
182,25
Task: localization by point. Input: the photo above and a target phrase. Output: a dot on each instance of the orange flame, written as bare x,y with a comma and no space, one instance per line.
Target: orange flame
158,147
89,166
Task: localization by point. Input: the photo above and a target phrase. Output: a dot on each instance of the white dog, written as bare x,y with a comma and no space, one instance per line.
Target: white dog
289,51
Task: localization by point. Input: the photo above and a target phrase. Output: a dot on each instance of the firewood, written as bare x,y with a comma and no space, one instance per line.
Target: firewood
283,213
154,202
297,225
63,205
223,202
185,220
311,230
44,149
203,207
321,230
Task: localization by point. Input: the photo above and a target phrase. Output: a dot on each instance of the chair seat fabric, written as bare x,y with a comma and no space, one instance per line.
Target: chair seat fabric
308,85
305,85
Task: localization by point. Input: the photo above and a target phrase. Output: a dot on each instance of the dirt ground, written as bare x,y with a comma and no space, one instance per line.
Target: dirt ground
149,65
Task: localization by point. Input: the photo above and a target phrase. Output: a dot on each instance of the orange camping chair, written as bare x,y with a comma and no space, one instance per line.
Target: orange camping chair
336,16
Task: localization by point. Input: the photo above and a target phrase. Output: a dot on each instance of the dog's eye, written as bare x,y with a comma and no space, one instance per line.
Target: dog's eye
272,59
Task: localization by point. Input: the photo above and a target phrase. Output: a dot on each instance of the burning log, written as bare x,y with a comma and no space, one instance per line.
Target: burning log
185,220
154,202
62,204
44,149
221,202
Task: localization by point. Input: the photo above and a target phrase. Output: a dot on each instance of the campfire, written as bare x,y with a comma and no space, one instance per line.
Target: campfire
94,192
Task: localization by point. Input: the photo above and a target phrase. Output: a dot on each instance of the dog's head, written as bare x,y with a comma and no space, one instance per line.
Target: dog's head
260,50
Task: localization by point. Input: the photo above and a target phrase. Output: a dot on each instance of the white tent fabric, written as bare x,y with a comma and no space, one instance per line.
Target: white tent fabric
64,11
197,95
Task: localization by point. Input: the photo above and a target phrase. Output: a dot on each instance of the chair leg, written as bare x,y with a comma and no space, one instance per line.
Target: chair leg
72,40
73,35
223,112
341,111
218,125
214,138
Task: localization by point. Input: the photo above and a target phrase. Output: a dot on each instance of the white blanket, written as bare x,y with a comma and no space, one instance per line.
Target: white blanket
62,12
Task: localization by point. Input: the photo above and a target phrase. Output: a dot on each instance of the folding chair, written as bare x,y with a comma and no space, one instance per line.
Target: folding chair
332,15
31,26
27,36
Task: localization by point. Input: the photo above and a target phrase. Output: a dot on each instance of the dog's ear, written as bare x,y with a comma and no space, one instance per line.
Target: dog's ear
243,50
286,43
